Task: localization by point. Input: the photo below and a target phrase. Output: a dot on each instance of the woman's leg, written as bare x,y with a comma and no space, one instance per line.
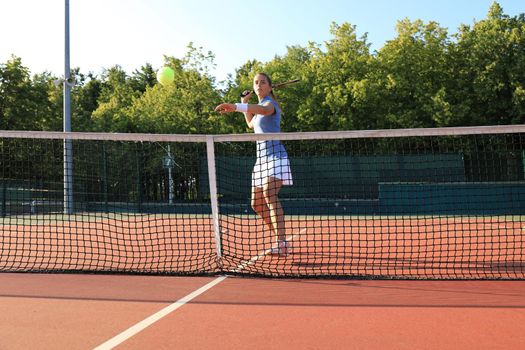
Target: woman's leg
271,196
260,207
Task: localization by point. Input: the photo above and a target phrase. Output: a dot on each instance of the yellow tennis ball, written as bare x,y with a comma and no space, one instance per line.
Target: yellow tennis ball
165,75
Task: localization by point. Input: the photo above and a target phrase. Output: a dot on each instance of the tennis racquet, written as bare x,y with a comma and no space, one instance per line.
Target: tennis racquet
274,86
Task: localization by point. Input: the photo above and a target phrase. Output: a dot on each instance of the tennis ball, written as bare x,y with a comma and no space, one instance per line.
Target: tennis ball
165,75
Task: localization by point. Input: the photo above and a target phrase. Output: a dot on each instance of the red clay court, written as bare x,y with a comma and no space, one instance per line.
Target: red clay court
69,311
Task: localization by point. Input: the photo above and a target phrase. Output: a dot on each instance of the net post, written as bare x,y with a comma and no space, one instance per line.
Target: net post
212,178
105,177
3,207
68,177
3,179
171,193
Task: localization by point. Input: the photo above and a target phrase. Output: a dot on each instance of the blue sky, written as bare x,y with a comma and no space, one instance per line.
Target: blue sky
131,33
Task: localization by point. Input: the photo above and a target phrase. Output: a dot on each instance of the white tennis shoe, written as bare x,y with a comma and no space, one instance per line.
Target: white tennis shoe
282,249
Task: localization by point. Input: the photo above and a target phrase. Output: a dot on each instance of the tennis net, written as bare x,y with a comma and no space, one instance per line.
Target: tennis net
443,203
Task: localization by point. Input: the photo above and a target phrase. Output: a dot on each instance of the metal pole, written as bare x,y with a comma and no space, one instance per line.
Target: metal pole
3,210
170,177
212,178
139,177
68,147
105,177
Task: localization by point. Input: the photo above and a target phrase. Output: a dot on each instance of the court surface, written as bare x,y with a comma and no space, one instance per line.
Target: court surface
82,311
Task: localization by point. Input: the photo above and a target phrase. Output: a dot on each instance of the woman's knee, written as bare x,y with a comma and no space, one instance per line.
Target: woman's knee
271,196
271,201
271,189
258,206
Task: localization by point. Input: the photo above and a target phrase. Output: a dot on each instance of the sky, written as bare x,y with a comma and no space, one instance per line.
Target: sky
131,33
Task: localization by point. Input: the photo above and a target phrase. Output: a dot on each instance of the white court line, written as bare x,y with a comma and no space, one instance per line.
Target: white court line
140,326
251,261
130,332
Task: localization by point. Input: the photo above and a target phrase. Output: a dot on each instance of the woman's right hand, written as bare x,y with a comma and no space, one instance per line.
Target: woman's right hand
246,95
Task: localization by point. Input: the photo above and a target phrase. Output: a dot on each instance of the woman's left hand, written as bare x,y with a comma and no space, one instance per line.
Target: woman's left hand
225,108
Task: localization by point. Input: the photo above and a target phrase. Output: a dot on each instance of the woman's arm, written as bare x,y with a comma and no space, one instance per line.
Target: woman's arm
248,109
247,116
266,109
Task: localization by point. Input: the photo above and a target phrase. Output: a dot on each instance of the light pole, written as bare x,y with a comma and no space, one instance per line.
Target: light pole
68,147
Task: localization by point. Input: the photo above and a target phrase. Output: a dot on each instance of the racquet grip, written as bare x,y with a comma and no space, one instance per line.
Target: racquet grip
246,92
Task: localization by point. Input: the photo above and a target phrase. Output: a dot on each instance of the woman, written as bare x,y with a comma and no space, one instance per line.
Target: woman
272,169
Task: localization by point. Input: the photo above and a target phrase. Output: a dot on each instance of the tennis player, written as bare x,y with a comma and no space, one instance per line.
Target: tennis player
272,168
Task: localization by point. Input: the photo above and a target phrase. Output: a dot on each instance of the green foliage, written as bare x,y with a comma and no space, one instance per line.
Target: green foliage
423,77
24,101
489,67
85,100
414,73
143,78
186,106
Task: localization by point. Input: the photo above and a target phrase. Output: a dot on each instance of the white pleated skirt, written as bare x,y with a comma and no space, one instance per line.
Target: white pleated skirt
266,167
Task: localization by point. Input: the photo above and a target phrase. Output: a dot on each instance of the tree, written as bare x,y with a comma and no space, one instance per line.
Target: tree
24,102
332,76
116,95
85,100
186,106
489,68
143,78
413,75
